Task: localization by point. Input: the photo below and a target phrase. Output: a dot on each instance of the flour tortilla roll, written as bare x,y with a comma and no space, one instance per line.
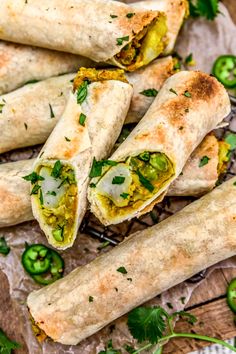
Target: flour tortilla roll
176,11
156,259
146,82
194,181
88,129
102,30
202,169
188,106
29,114
20,64
15,206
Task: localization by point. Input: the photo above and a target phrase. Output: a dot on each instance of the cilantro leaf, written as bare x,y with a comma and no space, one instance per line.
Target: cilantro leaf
149,92
204,161
90,298
145,182
187,94
4,249
186,315
1,107
122,270
109,349
82,119
113,16
82,92
33,178
205,8
96,169
231,140
130,14
56,171
118,180
52,115
35,189
119,41
124,195
147,323
173,91
6,345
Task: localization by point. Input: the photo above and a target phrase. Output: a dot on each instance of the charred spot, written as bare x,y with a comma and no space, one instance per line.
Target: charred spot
203,86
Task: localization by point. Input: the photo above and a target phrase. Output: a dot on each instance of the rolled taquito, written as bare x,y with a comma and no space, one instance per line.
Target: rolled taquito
143,266
87,130
102,30
195,180
20,64
29,114
188,106
176,11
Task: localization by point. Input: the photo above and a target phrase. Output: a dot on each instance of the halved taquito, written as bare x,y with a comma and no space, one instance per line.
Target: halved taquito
88,129
102,30
188,106
153,260
20,64
176,11
29,114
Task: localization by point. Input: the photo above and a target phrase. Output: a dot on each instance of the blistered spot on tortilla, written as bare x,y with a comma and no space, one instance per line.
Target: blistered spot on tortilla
203,87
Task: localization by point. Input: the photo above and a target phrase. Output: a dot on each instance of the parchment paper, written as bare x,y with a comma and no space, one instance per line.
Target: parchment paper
206,40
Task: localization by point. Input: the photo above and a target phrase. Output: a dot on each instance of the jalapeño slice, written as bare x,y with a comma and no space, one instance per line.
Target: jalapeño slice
36,259
224,69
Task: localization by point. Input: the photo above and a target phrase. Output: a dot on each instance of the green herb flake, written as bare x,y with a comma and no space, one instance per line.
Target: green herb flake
231,140
96,169
130,279
35,189
234,183
67,139
103,245
4,248
109,349
33,178
205,8
26,126
119,41
53,193
186,110
82,119
130,14
149,92
113,16
41,197
90,298
145,182
56,171
189,58
187,94
92,185
52,115
183,300
82,92
204,161
7,345
169,304
124,195
118,180
1,107
122,270
173,91
129,349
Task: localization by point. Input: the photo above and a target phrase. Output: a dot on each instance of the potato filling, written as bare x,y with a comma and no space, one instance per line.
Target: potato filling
127,185
223,156
146,45
57,196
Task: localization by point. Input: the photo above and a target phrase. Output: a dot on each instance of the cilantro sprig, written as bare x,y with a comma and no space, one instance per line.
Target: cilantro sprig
205,8
4,249
7,345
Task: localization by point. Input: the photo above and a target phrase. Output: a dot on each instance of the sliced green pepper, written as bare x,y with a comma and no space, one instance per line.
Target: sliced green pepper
231,295
224,69
43,264
36,259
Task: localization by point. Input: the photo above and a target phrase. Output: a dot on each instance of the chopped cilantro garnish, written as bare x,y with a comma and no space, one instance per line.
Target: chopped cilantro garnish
118,180
41,197
96,169
82,119
26,126
113,16
130,14
92,185
145,182
231,140
189,59
56,171
173,91
90,298
149,92
4,249
204,8
187,94
204,161
52,193
1,107
52,115
124,195
119,41
122,270
33,178
67,139
82,92
35,189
